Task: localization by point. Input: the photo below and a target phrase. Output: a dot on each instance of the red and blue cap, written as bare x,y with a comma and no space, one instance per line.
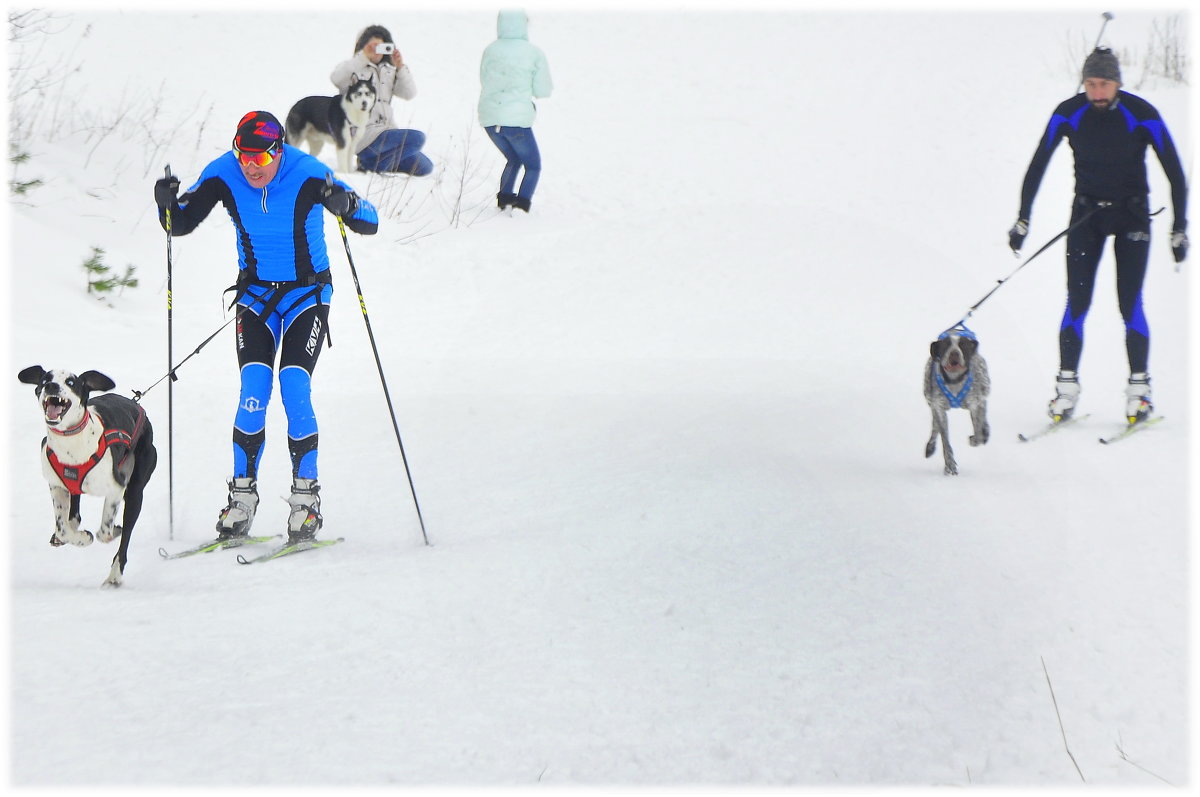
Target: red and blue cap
259,131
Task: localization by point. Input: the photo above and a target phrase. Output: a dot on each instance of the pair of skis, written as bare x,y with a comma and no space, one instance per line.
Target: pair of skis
278,552
1128,431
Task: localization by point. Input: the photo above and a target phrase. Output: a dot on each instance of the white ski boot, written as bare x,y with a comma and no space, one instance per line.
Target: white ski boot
237,517
1137,397
305,518
1062,406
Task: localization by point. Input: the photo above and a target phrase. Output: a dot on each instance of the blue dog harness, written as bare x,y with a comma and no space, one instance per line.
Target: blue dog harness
955,399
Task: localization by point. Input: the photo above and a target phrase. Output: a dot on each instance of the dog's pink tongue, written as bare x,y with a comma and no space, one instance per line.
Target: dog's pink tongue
54,411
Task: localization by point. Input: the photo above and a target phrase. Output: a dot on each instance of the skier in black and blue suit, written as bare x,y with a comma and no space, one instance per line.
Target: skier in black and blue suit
276,196
1109,131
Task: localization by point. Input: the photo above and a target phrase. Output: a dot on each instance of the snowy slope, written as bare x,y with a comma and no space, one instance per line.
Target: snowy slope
667,431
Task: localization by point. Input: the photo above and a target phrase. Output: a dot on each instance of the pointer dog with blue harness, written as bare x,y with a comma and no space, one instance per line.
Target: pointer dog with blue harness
93,446
956,377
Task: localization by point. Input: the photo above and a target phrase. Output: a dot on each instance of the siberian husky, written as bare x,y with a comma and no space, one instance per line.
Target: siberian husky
339,120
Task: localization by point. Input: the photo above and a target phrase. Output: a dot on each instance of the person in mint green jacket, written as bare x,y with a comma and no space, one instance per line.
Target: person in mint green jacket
513,73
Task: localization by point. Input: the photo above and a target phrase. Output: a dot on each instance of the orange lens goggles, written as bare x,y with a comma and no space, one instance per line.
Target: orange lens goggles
256,158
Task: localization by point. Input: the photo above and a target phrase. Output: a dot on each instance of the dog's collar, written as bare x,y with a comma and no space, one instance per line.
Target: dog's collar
955,399
76,429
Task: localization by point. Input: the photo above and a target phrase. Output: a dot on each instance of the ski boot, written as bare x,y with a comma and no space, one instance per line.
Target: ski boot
1062,406
237,517
305,518
1137,398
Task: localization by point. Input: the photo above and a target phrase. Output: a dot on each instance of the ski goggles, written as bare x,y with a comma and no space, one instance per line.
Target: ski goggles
259,159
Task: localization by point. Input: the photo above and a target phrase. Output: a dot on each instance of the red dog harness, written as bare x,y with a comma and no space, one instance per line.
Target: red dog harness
72,476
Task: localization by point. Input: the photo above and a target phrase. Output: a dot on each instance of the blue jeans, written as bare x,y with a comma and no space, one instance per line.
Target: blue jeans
396,151
520,149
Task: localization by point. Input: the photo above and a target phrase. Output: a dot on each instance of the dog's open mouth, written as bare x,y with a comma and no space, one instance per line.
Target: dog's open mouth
954,365
55,408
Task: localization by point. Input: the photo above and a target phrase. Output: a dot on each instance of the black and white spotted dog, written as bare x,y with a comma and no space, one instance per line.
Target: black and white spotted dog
339,120
94,446
956,377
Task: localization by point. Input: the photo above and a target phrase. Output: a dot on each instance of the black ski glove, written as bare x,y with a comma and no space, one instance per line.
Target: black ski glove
339,201
166,191
1016,236
1179,245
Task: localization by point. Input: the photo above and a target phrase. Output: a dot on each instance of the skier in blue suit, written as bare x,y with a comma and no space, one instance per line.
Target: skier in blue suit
276,196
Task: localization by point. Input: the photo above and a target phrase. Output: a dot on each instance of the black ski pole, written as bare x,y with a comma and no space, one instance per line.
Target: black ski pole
379,366
1107,16
171,384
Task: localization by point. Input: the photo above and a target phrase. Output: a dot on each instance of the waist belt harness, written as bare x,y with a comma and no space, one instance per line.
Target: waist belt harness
317,281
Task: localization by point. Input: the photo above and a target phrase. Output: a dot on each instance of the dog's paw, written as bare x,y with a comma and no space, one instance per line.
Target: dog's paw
951,469
930,447
109,535
114,576
55,541
82,538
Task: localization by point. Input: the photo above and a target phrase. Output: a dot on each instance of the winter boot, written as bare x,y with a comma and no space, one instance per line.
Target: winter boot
237,517
504,200
305,519
1066,385
1137,397
521,203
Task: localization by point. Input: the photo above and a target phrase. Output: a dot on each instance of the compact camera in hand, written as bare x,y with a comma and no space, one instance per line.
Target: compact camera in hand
386,48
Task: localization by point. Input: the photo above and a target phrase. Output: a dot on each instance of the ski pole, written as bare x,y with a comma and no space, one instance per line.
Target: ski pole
1107,16
379,366
171,384
1027,260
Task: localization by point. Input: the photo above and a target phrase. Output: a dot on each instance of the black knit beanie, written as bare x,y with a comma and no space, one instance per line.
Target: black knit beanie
1102,64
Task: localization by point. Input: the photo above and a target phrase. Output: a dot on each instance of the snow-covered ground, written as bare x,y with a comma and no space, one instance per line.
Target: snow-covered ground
667,431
